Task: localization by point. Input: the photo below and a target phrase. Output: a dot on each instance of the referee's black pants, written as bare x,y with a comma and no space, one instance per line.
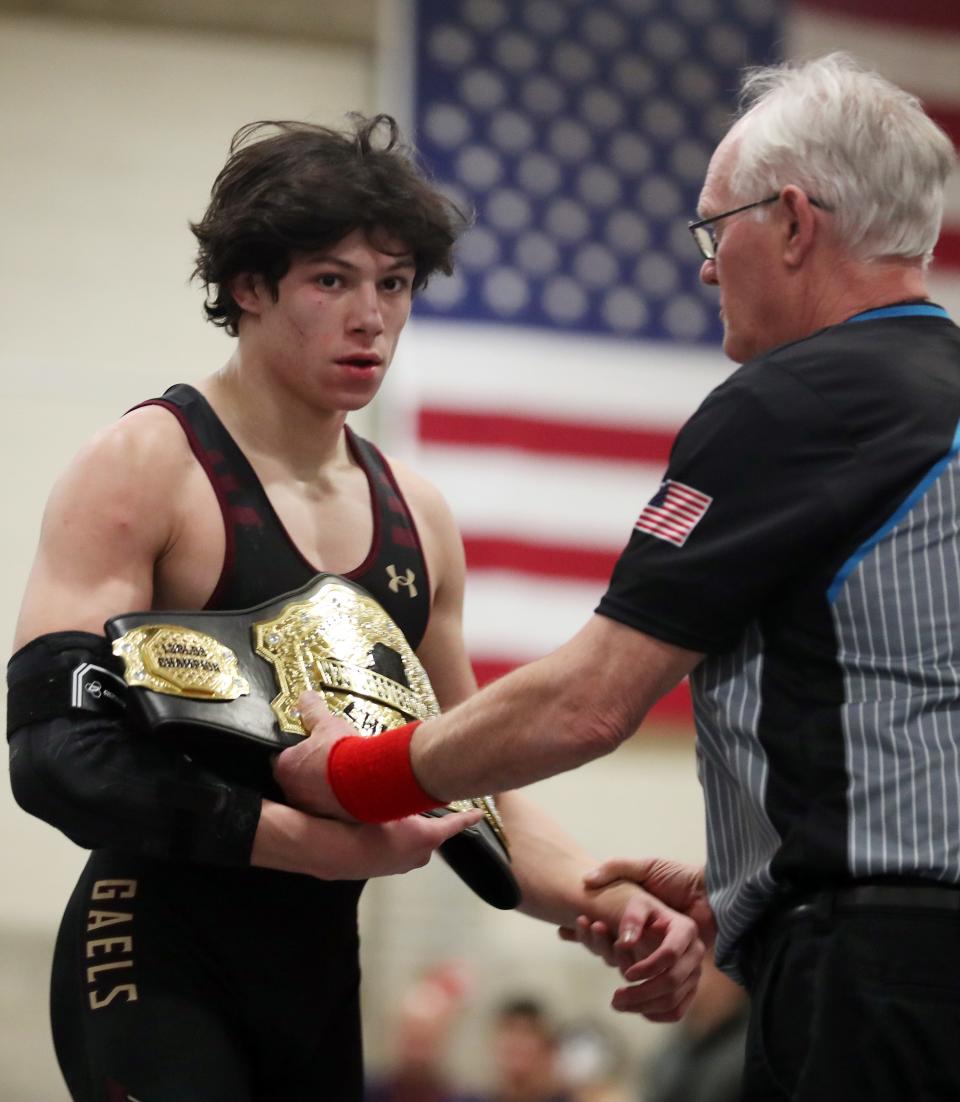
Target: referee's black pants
856,996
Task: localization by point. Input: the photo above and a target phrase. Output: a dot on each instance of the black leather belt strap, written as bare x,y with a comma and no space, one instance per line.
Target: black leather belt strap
821,906
914,896
856,897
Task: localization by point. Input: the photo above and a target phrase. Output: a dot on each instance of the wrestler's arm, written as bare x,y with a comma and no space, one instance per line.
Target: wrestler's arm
110,520
549,864
597,690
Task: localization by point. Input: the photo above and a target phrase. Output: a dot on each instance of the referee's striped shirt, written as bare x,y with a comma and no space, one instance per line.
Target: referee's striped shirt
822,581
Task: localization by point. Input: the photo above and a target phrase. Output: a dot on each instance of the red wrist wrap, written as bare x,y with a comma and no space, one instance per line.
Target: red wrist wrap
373,779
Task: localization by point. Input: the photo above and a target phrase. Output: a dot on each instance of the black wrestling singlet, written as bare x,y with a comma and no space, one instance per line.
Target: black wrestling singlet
261,562
229,984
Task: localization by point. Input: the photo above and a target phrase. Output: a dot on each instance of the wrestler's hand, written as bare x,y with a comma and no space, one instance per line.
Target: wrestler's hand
389,848
301,770
658,949
292,841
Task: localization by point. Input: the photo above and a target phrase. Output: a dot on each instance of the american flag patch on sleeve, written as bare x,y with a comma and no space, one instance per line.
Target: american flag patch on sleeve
673,512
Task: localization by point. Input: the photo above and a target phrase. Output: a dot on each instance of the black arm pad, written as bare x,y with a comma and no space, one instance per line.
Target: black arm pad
63,673
84,772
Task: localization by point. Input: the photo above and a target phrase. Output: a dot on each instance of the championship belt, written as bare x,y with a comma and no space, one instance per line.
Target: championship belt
240,675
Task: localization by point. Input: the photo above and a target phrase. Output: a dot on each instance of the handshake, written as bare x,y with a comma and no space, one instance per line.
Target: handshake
647,917
665,927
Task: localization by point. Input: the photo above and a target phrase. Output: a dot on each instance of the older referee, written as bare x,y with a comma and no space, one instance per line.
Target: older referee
801,561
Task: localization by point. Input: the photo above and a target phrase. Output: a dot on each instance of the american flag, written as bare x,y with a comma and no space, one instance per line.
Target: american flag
542,384
673,512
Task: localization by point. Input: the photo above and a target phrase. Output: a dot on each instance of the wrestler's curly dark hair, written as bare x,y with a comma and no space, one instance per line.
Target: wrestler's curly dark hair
294,187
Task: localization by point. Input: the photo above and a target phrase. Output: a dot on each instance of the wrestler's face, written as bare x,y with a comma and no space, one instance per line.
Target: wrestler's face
332,331
747,268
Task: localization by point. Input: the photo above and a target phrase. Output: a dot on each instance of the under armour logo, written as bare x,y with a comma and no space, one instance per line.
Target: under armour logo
396,580
94,688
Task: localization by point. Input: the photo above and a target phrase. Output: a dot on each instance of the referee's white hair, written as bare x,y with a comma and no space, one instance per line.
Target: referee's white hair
851,139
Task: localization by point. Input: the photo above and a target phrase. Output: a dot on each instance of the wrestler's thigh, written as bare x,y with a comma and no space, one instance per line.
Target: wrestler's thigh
136,1012
307,1020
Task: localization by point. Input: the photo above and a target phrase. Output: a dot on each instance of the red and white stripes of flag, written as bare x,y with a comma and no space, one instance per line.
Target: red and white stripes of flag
673,512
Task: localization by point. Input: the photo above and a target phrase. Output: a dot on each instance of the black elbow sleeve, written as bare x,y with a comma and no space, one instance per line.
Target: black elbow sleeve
81,769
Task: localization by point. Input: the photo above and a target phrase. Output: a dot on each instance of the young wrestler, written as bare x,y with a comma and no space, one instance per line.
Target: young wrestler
209,951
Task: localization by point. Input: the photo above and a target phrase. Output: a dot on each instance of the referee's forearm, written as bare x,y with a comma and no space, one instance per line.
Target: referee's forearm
535,722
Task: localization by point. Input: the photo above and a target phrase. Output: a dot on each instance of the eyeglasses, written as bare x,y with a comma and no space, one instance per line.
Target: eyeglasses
705,236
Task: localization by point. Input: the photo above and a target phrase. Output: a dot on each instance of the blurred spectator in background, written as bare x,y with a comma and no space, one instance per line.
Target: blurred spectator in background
426,1016
703,1059
525,1055
531,1057
592,1062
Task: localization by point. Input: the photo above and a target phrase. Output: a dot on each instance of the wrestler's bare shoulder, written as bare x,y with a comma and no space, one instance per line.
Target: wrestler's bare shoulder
132,472
428,504
111,518
149,435
145,450
420,492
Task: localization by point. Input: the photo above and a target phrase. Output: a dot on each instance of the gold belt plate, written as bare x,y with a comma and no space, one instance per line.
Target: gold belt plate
180,661
342,644
337,641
